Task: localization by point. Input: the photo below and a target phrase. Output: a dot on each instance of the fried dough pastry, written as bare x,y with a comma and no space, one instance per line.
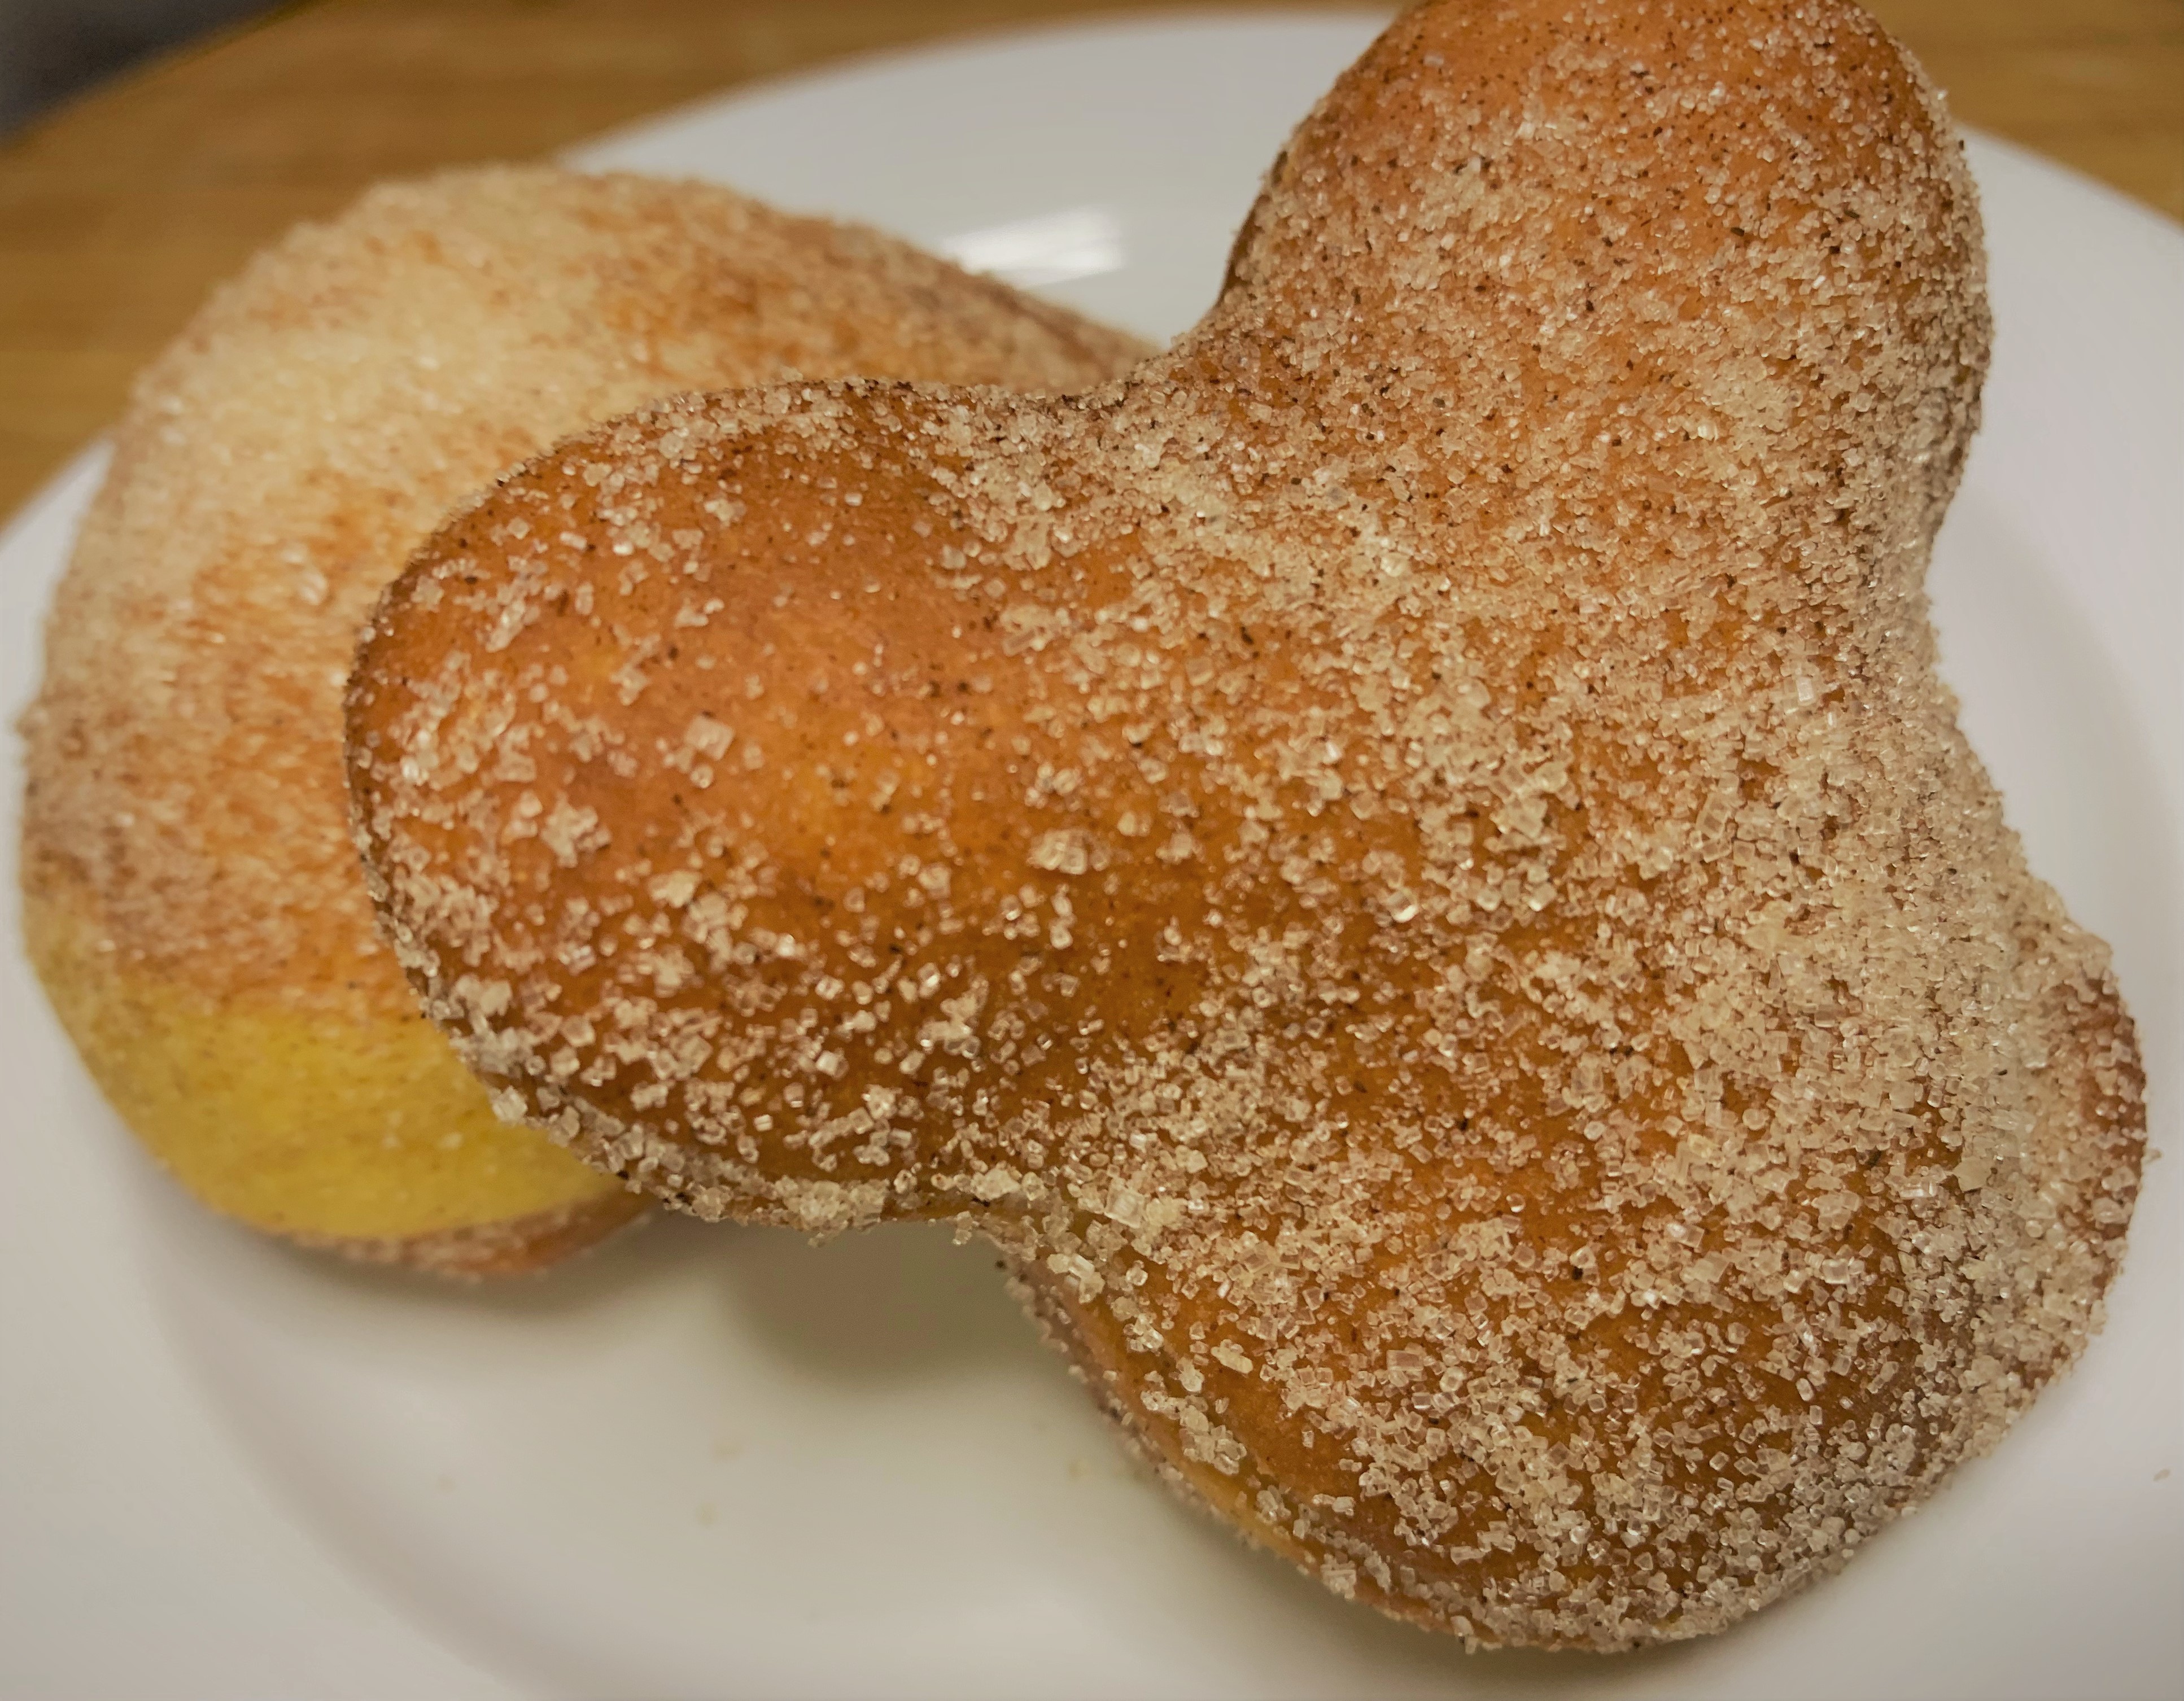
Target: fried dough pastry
192,897
1409,862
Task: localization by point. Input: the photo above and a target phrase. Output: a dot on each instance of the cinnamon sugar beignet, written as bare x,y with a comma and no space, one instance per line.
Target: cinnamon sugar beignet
1409,862
191,896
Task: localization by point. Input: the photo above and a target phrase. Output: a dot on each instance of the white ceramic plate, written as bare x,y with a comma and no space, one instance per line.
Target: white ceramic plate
722,1463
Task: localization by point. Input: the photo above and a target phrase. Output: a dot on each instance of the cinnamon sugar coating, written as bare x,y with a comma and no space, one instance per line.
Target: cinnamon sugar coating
1408,861
192,893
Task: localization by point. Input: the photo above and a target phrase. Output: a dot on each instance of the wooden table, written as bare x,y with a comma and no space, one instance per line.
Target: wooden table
120,211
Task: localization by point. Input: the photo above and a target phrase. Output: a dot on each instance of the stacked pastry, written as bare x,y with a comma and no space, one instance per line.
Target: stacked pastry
191,896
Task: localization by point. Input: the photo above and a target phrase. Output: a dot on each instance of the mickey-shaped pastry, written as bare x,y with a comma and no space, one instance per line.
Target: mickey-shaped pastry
1408,862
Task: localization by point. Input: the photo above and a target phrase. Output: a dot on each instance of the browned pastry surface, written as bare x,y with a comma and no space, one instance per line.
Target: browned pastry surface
505,1246
194,898
1408,861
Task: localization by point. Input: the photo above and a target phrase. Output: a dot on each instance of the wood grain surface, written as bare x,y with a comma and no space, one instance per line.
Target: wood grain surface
117,212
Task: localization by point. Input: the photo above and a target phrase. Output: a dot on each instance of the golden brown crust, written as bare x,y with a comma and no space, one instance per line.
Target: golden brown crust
186,820
511,1246
1409,862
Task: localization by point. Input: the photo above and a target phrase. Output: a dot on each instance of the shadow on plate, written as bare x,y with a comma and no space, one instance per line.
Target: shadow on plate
867,1313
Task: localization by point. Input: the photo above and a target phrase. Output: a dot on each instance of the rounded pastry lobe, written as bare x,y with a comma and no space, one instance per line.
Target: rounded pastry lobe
1408,861
191,899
